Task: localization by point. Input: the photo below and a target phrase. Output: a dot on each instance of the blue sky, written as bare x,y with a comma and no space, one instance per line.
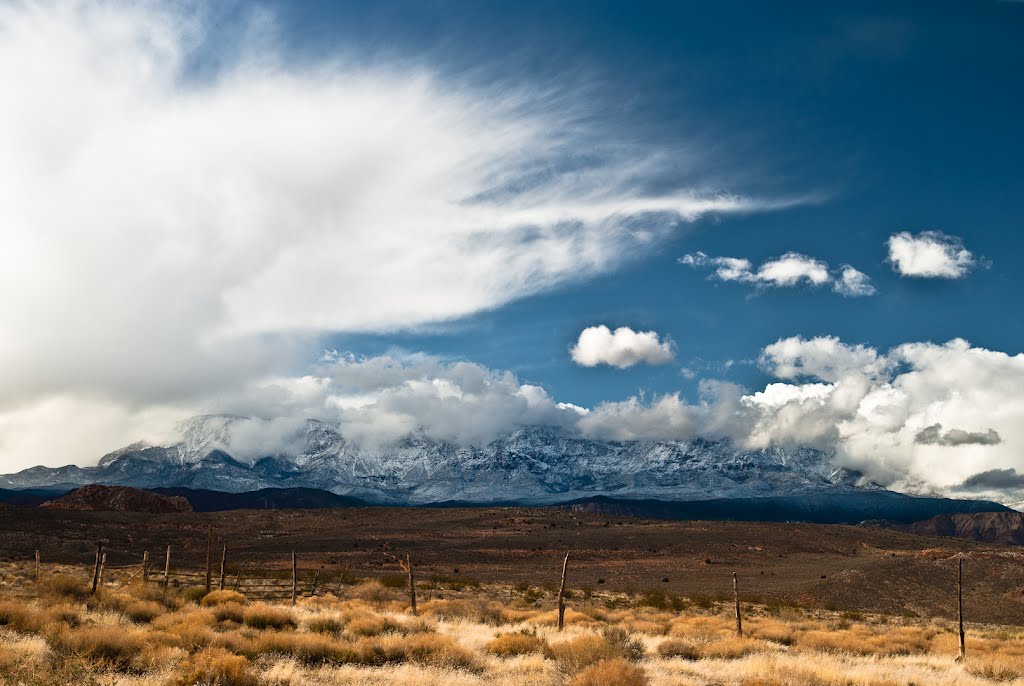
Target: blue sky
890,116
417,217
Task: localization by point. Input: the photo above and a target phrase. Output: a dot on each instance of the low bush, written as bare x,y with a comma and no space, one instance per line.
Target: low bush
63,587
611,673
21,617
113,647
215,598
216,667
576,654
325,624
143,611
261,616
518,643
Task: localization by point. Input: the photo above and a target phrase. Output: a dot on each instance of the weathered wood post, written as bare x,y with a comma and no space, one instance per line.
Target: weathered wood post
960,604
295,578
316,580
412,584
736,598
167,568
561,594
223,565
145,567
103,567
209,560
38,560
96,568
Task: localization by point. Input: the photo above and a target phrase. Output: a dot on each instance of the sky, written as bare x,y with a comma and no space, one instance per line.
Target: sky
773,223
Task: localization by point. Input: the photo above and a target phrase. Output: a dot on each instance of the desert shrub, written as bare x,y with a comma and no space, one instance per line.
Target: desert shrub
770,629
995,667
142,611
229,612
63,587
432,650
112,647
518,643
675,647
369,624
325,624
861,639
215,598
572,618
261,616
309,649
611,673
631,648
215,667
194,594
479,611
575,654
20,617
374,592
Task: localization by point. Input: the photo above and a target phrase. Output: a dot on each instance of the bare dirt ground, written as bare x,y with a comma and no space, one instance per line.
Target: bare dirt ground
842,568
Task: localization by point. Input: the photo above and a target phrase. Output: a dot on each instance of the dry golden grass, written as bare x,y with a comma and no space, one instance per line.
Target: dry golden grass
142,636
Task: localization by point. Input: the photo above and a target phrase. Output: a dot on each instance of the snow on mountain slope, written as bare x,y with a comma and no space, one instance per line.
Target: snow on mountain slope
535,465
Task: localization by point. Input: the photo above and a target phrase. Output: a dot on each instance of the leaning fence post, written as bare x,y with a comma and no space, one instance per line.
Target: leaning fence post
561,594
96,568
736,599
103,567
295,578
209,559
145,567
412,583
960,604
223,565
37,565
167,568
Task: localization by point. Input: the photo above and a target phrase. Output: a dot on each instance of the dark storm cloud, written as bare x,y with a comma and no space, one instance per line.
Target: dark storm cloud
933,435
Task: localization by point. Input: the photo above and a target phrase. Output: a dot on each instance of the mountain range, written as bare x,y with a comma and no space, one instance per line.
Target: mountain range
529,466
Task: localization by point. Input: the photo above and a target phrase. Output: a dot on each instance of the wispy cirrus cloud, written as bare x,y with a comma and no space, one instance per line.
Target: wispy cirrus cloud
787,271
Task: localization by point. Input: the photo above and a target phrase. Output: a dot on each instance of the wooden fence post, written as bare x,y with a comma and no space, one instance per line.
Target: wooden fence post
736,598
167,568
103,567
960,604
316,579
96,568
412,584
209,559
223,565
37,565
145,567
561,594
295,578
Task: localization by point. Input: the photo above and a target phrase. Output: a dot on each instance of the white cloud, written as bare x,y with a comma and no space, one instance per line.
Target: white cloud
169,237
852,283
620,348
929,254
789,270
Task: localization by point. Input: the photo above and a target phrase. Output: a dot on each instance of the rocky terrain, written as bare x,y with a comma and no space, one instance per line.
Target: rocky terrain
118,499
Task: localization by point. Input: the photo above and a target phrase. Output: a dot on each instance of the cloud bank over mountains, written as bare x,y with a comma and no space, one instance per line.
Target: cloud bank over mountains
922,417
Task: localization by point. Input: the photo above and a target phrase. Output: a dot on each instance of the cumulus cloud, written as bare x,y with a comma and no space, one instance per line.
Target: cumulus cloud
620,348
171,233
787,271
929,254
